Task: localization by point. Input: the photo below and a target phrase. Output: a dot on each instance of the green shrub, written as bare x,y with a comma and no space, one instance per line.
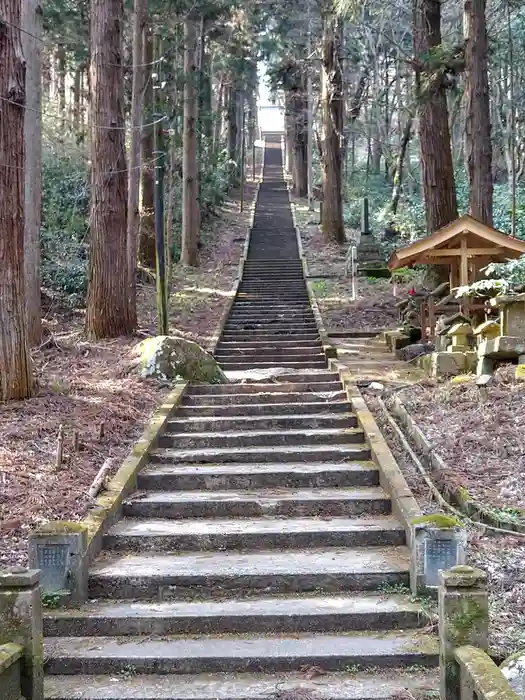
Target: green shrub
65,200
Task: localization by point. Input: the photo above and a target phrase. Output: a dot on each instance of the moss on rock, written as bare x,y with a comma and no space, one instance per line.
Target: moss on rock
439,521
172,357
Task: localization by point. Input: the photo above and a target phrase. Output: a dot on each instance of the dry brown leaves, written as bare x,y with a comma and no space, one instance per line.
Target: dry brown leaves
83,386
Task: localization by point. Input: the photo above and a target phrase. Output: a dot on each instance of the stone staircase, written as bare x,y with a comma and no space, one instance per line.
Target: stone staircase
259,559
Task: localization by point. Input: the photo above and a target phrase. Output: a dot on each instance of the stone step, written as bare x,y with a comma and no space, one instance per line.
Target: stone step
267,336
264,406
284,305
261,438
306,453
254,317
324,382
239,653
277,502
188,535
279,345
240,366
185,576
243,686
266,615
270,326
270,298
219,477
198,424
271,358
324,394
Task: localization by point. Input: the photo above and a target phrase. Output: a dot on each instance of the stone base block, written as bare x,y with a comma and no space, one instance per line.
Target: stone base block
504,347
445,364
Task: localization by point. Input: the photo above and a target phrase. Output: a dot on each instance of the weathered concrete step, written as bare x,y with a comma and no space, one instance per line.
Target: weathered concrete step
256,304
266,615
271,358
219,477
271,314
307,383
279,345
244,686
277,502
239,366
321,395
266,336
270,298
72,655
168,535
254,317
261,438
285,422
270,326
264,404
222,574
238,350
308,453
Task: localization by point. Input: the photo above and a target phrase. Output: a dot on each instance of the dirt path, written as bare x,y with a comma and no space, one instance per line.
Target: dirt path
83,387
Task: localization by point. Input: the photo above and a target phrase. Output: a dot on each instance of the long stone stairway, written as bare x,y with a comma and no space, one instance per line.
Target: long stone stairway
259,559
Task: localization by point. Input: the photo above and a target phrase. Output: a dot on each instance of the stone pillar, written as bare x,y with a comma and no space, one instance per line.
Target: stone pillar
21,623
463,620
365,218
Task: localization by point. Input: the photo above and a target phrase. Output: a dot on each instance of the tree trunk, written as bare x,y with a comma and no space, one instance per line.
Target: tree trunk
15,360
434,135
478,145
147,196
333,114
137,91
299,109
61,70
400,163
190,172
107,312
231,118
219,108
32,47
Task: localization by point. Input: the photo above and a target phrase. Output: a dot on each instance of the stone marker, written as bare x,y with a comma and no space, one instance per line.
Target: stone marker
439,544
365,217
21,623
463,620
459,335
59,551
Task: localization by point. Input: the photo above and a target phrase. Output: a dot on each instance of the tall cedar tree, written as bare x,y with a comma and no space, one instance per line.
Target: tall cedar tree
147,254
32,46
15,360
190,172
434,135
107,313
478,144
332,222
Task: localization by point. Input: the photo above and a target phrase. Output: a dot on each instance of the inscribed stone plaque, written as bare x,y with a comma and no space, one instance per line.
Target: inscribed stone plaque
439,554
53,560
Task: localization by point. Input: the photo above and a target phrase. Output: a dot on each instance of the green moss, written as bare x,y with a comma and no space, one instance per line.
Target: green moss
439,521
463,625
60,527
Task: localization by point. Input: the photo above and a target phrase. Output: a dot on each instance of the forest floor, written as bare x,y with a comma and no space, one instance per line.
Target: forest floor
374,308
86,388
480,437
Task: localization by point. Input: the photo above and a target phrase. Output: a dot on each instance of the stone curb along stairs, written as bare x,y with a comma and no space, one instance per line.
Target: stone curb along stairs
260,541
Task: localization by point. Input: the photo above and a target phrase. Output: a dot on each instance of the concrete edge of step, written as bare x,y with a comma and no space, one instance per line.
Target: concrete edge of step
404,505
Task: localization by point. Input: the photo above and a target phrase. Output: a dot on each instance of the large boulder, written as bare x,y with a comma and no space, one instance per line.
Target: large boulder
172,357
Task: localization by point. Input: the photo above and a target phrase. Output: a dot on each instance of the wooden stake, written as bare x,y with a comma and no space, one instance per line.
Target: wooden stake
98,481
101,431
60,447
76,440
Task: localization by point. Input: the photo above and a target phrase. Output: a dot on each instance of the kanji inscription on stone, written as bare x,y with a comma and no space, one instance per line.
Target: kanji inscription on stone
53,560
439,554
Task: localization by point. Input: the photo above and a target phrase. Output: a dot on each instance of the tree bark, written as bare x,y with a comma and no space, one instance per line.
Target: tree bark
137,91
15,361
299,110
231,118
434,135
147,198
32,47
333,115
107,312
478,144
61,70
190,171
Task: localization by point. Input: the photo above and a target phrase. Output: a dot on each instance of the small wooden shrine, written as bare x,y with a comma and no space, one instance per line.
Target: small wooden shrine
466,246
